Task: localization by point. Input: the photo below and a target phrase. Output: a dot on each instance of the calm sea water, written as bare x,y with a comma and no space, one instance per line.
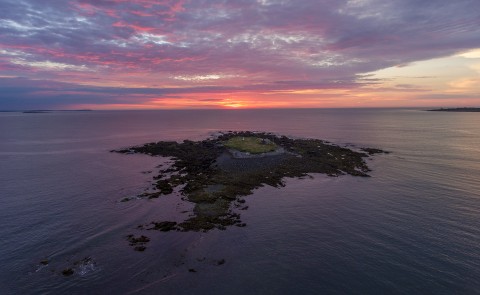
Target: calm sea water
412,228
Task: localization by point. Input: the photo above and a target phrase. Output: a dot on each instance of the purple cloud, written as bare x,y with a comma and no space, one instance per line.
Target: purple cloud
228,45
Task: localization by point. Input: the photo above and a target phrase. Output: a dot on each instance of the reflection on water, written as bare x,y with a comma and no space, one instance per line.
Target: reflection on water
411,228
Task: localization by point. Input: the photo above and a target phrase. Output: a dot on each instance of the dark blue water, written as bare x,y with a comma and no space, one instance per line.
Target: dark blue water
412,228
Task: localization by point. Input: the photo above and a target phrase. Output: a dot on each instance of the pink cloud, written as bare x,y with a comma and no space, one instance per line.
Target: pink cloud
277,46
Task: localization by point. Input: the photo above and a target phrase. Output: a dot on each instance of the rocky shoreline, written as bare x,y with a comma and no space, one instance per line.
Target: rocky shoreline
216,179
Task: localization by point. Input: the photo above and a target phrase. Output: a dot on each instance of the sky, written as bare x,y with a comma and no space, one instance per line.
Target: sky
165,54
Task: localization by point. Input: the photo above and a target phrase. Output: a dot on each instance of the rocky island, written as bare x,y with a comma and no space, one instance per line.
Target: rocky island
216,173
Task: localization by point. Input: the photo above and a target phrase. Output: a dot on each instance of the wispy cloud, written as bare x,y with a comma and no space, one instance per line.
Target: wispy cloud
227,46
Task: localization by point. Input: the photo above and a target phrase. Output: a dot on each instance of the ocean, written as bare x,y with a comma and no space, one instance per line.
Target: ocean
413,227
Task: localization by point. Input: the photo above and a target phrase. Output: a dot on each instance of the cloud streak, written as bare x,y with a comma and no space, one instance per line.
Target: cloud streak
117,48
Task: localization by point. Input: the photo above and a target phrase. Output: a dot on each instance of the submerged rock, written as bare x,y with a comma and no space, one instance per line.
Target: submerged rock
163,226
44,262
372,151
139,243
67,272
220,262
210,174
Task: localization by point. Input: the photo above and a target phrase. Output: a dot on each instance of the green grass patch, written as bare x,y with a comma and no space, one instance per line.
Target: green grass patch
252,145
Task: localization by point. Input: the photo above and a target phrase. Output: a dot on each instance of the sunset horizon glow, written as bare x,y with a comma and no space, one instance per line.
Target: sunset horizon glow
226,54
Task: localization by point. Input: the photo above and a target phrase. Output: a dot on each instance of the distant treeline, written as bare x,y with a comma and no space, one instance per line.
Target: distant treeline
455,110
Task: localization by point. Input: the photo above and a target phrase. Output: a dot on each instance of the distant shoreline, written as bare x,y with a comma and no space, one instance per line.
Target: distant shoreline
42,111
472,110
